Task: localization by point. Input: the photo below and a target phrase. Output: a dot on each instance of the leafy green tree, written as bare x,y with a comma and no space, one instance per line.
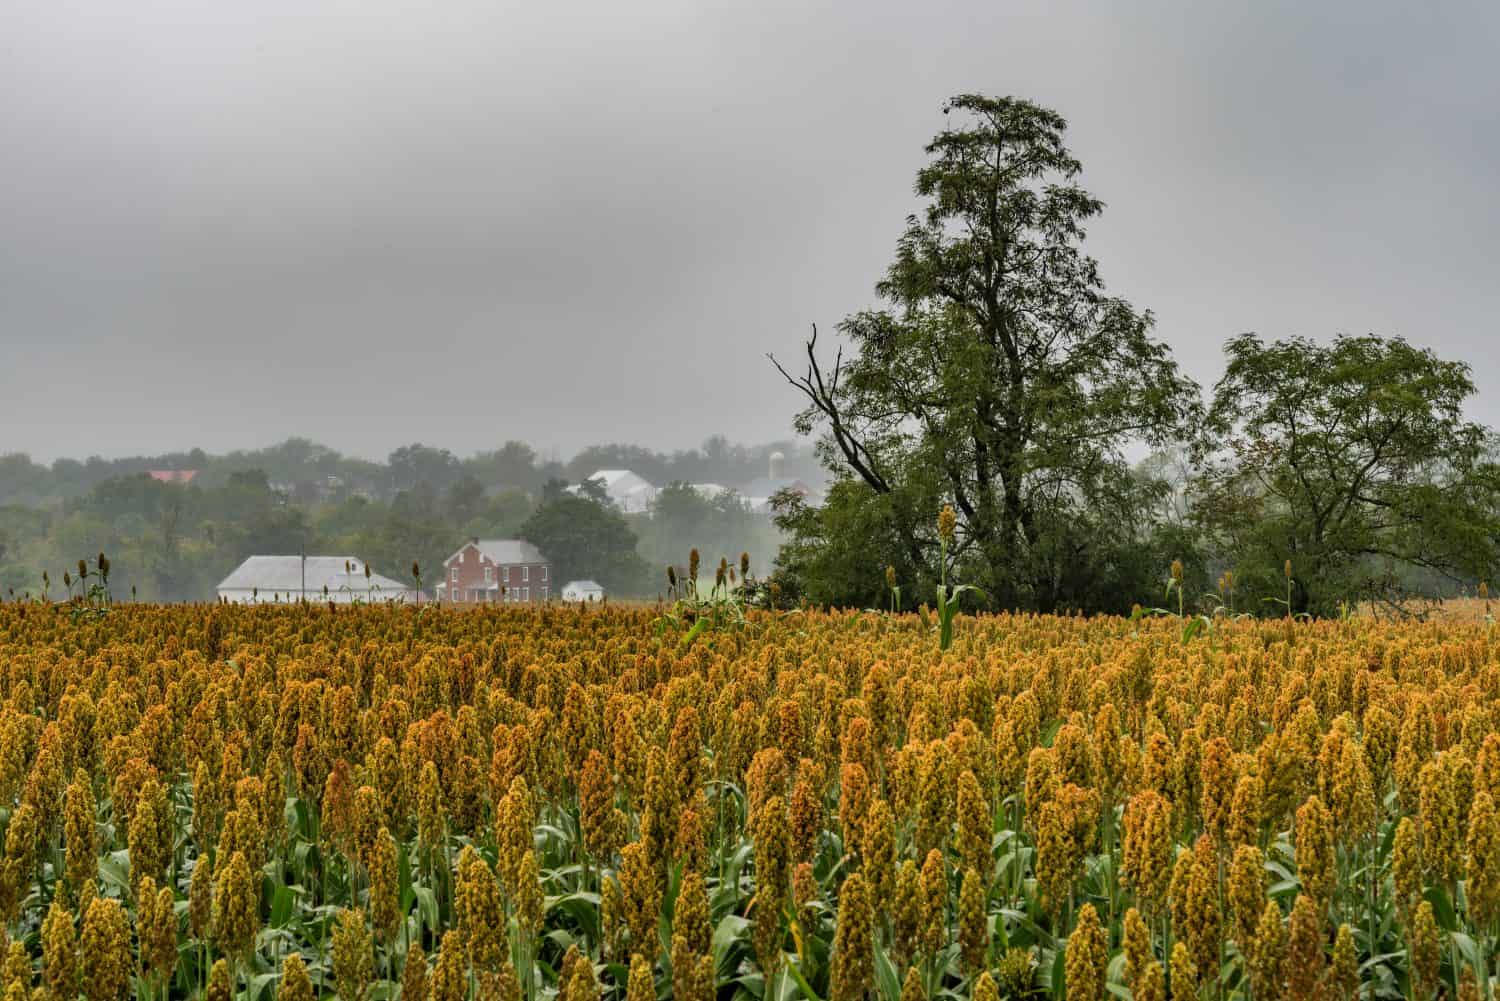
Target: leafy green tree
1000,377
417,465
586,539
718,524
1352,460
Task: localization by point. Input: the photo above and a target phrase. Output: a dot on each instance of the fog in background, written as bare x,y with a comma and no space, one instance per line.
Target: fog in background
377,222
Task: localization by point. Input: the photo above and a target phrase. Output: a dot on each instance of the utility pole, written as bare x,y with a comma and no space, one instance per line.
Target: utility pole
304,570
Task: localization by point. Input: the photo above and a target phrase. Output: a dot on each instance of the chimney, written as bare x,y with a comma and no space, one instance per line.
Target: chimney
778,466
474,539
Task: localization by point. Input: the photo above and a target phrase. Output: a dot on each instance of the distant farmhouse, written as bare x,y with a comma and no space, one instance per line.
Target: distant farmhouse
627,491
492,571
632,493
583,591
758,492
183,476
264,580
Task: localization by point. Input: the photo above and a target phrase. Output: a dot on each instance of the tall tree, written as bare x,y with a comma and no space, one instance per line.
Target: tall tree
1001,377
1354,461
586,539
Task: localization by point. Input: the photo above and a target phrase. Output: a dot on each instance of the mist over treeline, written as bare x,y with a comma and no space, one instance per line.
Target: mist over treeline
171,540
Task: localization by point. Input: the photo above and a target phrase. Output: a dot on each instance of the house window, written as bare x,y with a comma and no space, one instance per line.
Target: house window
544,593
544,576
525,573
489,575
453,575
525,594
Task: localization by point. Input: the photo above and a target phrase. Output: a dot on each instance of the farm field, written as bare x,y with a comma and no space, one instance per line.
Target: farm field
376,802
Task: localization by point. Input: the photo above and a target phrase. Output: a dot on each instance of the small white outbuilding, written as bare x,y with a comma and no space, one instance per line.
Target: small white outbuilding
583,590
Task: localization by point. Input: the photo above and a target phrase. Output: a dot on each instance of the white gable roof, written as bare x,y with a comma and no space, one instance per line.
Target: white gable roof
281,574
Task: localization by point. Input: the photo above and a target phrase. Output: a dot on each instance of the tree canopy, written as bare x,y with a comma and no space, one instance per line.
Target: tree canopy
999,375
1353,460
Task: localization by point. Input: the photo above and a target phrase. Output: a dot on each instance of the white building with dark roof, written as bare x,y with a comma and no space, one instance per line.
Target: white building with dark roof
341,579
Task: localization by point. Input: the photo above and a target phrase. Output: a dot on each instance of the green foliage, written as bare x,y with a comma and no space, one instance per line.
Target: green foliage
1354,460
1001,378
584,538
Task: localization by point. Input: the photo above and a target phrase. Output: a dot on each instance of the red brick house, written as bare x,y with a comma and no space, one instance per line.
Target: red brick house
491,571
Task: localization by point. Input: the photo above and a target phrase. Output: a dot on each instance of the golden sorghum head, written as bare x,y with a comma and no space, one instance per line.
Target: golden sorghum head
1263,956
1176,571
1087,959
104,951
201,897
854,805
770,832
975,826
295,984
1406,864
1304,951
1217,778
1286,569
1484,591
947,523
984,988
81,833
596,808
911,987
890,576
692,935
1147,855
1137,946
450,975
973,923
1440,830
1344,974
17,965
1246,811
156,928
853,961
385,887
430,816
60,951
414,974
1482,888
220,984
1424,951
1246,892
1151,985
480,913
1204,920
906,912
640,888
641,984
1184,973
236,907
1313,843
933,929
353,955
529,898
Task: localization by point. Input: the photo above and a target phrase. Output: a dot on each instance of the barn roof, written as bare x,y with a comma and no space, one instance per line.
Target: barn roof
279,574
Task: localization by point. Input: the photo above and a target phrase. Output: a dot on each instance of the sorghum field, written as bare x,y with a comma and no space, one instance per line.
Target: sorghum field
378,802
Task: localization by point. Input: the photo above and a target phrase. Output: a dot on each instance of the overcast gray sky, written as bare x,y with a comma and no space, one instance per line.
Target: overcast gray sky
372,222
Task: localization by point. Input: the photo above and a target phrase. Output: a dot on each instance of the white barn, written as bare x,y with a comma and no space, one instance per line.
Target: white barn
340,579
630,492
583,591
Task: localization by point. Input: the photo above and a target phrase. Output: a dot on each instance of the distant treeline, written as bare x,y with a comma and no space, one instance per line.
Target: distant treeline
171,541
